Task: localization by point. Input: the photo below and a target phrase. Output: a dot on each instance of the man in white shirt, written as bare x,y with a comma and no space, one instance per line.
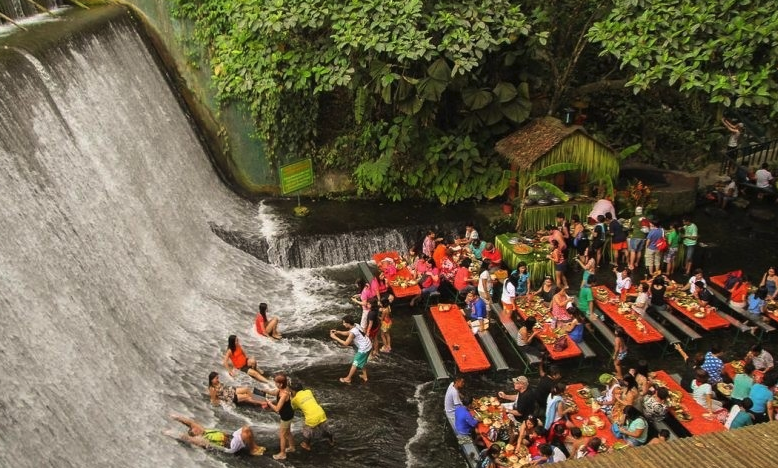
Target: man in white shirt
763,177
453,397
729,192
690,286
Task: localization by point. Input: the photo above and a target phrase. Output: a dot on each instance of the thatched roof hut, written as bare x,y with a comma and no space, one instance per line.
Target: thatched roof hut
547,141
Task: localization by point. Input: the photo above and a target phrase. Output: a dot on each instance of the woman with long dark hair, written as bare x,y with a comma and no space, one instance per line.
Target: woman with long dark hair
283,406
264,326
219,392
236,359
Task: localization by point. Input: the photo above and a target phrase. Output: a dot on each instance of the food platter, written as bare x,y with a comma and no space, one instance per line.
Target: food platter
725,389
513,240
699,314
522,249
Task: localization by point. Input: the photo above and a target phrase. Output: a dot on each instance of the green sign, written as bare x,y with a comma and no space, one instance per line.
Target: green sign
296,176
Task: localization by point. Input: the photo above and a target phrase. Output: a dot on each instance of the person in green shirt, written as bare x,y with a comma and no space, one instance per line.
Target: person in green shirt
586,298
689,241
636,242
673,242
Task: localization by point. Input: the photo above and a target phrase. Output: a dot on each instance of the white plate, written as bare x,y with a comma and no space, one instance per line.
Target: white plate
513,240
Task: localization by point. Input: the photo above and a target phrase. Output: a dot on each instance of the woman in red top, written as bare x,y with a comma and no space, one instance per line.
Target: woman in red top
264,326
739,293
236,359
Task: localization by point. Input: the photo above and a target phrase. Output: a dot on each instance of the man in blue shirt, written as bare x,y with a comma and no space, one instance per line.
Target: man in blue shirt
762,397
713,364
464,422
477,311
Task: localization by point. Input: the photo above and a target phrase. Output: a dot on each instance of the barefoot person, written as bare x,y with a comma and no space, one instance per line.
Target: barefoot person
239,441
354,334
313,414
264,326
236,359
218,393
283,406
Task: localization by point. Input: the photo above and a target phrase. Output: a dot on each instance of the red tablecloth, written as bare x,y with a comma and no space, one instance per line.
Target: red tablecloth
648,334
405,273
460,340
721,280
585,412
698,424
572,349
711,321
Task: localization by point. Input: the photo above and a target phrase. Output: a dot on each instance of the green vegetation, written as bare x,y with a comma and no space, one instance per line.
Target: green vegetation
410,96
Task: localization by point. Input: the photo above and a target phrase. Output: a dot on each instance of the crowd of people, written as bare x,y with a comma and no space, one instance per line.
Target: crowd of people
278,394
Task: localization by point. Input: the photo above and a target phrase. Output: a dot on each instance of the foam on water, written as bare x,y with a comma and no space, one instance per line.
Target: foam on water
423,428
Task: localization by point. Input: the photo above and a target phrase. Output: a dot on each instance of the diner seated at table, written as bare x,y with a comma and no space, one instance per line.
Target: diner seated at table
713,363
632,427
464,422
690,366
691,285
655,404
610,395
575,441
559,304
470,234
487,458
761,395
555,407
491,253
411,258
527,332
658,290
623,280
641,302
703,394
429,242
549,454
463,282
742,383
477,313
547,291
702,294
760,358
441,248
630,394
738,294
533,438
757,304
740,415
557,438
428,281
574,328
591,449
520,405
447,266
641,373
476,248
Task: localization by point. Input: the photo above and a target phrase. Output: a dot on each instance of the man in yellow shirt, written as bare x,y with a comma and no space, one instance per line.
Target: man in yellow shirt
315,418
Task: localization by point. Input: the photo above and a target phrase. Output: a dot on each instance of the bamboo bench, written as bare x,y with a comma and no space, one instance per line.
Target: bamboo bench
430,350
528,355
691,334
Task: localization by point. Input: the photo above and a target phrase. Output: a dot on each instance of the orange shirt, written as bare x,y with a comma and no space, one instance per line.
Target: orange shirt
739,292
238,358
439,253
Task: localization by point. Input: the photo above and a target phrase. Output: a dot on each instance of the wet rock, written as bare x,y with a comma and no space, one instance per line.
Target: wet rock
762,214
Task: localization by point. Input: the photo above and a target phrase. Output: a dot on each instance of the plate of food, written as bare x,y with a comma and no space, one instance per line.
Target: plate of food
725,389
599,423
585,392
588,431
620,445
699,314
487,421
513,240
522,249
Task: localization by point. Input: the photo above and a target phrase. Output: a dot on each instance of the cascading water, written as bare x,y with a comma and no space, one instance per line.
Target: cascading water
117,296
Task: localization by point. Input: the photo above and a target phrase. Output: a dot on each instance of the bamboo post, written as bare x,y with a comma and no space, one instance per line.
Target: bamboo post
10,20
40,7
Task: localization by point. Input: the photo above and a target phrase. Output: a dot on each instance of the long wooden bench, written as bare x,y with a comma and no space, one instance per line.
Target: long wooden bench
499,365
365,271
528,355
430,349
691,334
763,326
739,326
466,445
606,333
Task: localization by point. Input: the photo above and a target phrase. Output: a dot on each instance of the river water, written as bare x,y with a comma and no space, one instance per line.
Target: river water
126,263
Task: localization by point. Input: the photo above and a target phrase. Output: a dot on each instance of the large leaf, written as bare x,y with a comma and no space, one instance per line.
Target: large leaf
431,89
411,105
517,110
440,70
477,98
505,91
552,189
490,115
556,169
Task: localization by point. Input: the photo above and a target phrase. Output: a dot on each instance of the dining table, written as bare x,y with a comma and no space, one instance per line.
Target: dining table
697,420
402,281
704,316
621,314
538,265
459,338
580,395
531,305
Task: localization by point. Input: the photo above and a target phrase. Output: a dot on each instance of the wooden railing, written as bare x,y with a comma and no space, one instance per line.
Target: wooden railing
753,155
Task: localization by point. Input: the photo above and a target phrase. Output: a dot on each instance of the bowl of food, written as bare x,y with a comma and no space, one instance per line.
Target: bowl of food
699,314
487,421
588,431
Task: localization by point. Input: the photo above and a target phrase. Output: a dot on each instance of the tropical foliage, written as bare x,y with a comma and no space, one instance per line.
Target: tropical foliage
430,84
722,48
636,194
